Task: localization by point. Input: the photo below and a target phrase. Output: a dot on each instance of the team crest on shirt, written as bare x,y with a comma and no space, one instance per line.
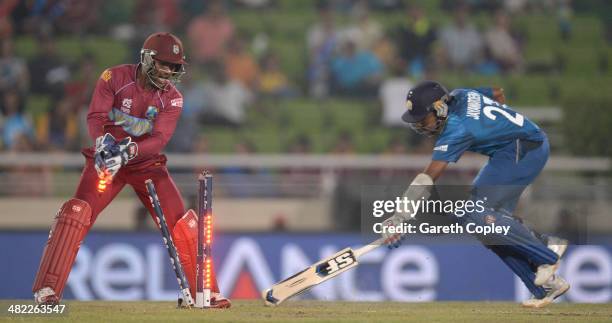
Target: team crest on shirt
106,75
151,112
126,105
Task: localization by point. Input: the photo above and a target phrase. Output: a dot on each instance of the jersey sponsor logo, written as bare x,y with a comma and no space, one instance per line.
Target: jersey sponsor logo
126,105
441,148
106,75
473,105
178,102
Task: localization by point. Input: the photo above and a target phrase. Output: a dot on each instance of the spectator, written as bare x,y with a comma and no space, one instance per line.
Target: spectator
564,17
241,181
272,81
50,71
504,48
385,51
515,6
147,17
67,118
356,72
344,144
15,123
79,17
461,42
6,24
297,180
321,39
366,32
240,64
41,16
13,70
397,146
63,129
77,93
227,99
301,145
194,100
209,33
415,40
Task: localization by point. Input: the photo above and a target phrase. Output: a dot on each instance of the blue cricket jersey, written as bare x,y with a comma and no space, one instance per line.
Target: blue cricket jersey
480,124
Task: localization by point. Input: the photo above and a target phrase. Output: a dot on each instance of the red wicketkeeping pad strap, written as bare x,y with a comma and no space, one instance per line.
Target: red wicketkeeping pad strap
68,230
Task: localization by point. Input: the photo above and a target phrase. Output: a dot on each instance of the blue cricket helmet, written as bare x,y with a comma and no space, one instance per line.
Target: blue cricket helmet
420,101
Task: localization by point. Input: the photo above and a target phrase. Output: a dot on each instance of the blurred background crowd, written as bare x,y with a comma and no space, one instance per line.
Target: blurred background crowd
330,76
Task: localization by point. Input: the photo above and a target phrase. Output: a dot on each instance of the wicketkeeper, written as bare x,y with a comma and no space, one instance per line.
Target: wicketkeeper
132,116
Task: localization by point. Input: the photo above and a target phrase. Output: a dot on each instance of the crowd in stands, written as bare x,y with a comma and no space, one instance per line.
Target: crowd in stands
349,54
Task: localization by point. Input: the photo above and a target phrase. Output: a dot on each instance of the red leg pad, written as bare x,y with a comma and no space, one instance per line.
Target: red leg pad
185,236
67,232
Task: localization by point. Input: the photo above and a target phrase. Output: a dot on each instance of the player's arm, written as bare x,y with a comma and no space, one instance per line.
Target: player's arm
164,126
435,169
496,93
101,103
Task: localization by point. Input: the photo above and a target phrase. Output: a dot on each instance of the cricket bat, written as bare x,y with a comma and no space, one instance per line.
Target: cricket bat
323,270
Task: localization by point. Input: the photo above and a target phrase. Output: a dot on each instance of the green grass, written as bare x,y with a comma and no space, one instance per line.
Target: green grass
317,311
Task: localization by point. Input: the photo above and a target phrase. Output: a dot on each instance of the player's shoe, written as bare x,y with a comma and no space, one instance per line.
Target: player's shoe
218,301
545,272
556,287
557,245
46,296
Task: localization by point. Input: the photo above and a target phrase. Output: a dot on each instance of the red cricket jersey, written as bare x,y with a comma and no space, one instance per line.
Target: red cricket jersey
118,88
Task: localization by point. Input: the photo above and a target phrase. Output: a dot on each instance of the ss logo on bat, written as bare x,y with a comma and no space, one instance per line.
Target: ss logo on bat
335,264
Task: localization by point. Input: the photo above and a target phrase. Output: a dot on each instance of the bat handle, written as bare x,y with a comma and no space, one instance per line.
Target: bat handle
369,247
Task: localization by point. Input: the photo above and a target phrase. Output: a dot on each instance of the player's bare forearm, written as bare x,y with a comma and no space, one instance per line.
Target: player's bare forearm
435,169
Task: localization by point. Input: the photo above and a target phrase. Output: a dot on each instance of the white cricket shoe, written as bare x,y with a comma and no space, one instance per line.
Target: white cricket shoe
555,287
557,245
545,272
46,296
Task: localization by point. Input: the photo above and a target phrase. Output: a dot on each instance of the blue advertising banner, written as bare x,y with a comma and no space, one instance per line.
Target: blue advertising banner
135,266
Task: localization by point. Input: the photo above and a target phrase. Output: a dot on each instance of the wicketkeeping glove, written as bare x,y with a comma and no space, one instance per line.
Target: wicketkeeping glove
111,155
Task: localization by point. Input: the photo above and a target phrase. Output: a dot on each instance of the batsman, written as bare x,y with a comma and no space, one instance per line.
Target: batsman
478,120
132,116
